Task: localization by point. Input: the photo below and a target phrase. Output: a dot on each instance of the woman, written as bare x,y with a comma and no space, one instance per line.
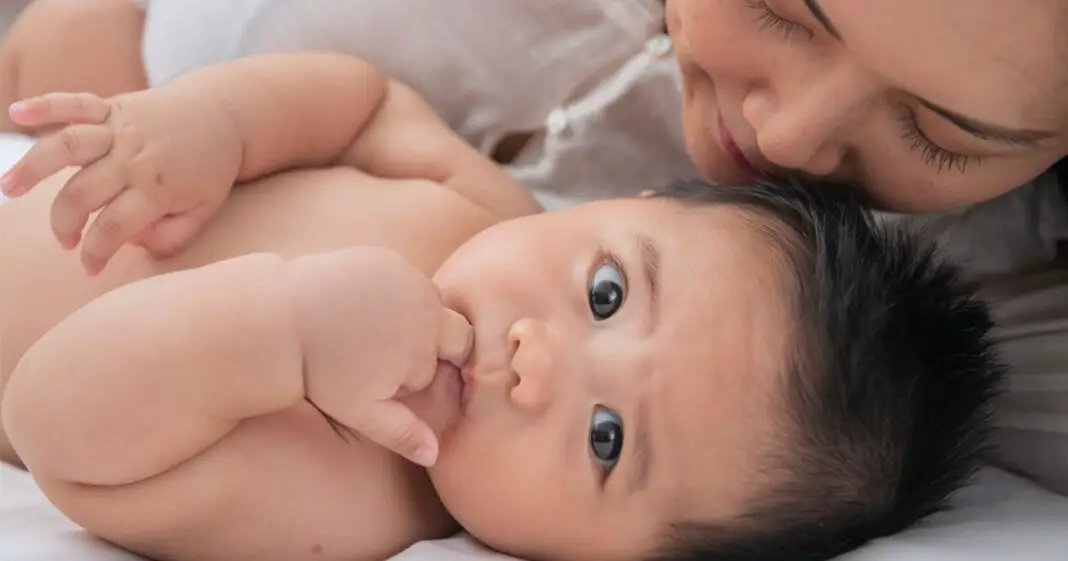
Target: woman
931,105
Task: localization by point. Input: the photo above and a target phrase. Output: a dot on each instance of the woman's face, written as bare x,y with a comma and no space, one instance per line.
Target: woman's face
930,104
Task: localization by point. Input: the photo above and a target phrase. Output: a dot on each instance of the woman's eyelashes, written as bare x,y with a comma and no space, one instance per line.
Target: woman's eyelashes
607,289
932,154
769,19
605,438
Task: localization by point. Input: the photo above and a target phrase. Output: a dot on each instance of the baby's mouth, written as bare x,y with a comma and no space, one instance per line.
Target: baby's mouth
467,385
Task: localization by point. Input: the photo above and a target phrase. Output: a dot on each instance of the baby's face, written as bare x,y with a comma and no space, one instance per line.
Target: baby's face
624,377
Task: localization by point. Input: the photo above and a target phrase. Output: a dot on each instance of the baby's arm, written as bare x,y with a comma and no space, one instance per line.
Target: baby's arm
151,374
168,415
290,110
301,110
257,115
407,139
157,164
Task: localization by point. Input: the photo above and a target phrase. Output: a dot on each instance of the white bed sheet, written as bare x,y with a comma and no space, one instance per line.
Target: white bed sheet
999,518
12,147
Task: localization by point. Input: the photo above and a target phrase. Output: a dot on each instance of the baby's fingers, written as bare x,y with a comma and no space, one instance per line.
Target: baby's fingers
455,338
171,233
85,193
397,428
78,145
122,219
60,108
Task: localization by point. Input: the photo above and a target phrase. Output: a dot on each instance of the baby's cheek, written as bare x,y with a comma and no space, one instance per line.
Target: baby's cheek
475,476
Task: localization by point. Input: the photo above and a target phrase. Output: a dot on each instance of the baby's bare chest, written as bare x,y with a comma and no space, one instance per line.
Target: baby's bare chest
315,211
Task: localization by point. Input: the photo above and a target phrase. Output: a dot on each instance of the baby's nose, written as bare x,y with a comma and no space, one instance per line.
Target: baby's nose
534,363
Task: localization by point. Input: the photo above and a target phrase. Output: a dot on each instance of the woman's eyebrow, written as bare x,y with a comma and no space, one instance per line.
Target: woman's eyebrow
817,12
975,127
990,131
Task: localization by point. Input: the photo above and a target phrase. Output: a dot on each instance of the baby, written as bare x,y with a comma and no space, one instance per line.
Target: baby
699,373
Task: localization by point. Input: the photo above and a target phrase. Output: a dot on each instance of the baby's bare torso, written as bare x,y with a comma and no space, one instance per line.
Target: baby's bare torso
390,502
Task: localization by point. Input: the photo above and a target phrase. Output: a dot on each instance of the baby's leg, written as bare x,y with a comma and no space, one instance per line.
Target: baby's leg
71,46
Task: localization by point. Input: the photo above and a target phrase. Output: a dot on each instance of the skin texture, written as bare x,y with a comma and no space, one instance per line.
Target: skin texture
131,390
794,98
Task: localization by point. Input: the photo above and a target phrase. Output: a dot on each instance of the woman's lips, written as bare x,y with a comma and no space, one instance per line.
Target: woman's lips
737,155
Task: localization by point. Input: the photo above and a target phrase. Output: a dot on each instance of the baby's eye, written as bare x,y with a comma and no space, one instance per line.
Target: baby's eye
607,291
606,437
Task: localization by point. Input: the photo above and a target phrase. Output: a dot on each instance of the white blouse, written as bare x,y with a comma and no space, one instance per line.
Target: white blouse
592,82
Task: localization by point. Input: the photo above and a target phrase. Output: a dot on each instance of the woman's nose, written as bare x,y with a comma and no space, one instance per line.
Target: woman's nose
535,364
803,125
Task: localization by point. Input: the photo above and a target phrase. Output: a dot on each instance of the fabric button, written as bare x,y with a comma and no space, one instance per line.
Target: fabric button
557,121
658,46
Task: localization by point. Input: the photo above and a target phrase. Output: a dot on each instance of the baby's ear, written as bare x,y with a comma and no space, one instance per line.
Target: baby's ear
646,193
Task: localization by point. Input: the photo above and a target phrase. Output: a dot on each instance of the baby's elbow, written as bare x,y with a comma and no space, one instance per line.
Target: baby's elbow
39,424
19,415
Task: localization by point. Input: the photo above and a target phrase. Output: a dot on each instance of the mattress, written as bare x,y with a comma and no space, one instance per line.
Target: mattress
1000,517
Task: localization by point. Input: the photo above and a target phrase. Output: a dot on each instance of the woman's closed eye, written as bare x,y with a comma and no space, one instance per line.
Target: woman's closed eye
771,20
931,153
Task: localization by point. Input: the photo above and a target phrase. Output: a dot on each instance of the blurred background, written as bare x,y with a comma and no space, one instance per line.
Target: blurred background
9,9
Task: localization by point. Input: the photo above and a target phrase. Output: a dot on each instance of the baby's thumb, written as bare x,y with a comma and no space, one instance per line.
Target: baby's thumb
169,234
455,338
394,426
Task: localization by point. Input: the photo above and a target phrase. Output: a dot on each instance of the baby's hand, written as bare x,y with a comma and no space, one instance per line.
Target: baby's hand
373,328
156,164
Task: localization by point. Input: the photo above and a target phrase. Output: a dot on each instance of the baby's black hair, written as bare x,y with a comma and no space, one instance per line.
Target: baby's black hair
888,395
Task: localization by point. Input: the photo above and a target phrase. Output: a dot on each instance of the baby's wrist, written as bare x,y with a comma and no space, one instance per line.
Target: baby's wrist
282,384
213,106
